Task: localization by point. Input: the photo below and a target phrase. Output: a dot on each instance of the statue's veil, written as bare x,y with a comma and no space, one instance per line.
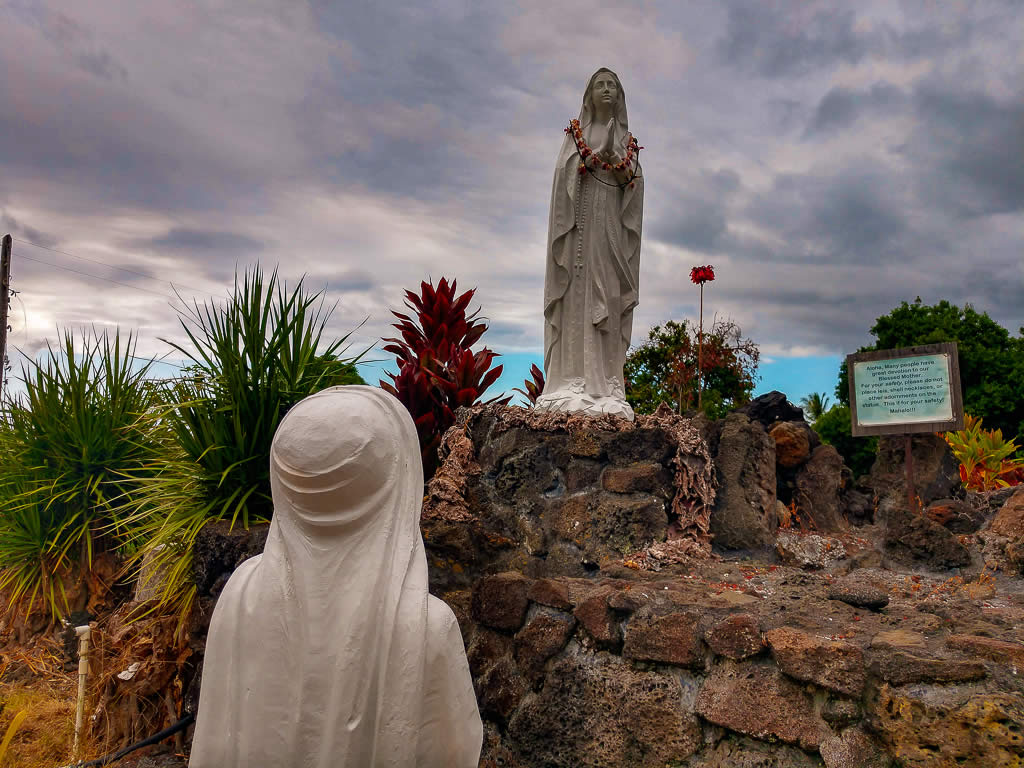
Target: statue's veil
619,111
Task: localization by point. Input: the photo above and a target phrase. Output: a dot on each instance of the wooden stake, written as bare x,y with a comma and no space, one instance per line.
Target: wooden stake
83,675
908,466
5,288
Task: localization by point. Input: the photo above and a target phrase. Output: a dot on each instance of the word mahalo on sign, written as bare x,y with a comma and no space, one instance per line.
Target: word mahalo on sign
900,391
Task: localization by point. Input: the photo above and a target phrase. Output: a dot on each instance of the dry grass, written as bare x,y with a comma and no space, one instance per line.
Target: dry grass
33,680
45,737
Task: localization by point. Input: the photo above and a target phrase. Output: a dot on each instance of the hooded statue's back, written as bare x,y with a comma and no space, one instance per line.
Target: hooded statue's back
327,650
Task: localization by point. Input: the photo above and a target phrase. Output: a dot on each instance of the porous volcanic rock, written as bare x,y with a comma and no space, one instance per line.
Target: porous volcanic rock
556,494
936,472
808,550
500,601
500,689
948,726
744,515
219,549
956,515
567,724
736,751
671,639
543,636
859,591
770,408
832,664
853,748
792,443
755,699
911,535
737,636
901,668
817,493
598,620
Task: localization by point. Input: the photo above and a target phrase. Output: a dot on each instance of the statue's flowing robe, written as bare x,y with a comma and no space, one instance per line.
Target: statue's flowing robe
591,282
326,651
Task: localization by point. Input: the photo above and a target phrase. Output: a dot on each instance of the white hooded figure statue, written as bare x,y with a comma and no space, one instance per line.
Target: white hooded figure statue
592,275
327,651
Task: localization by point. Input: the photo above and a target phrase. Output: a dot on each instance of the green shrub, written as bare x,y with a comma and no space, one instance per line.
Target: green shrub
250,361
72,448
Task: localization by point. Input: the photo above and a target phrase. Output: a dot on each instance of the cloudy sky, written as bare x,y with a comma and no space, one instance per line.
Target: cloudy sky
830,159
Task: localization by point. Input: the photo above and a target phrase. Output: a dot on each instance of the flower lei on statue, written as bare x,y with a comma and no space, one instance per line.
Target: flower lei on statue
589,161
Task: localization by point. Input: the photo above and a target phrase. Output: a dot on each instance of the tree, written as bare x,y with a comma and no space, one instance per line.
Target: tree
814,405
664,369
991,361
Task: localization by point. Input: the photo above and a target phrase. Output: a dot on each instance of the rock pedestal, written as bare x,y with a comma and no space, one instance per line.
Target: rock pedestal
554,494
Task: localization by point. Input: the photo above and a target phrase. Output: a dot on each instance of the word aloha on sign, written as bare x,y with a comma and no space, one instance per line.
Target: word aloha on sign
902,391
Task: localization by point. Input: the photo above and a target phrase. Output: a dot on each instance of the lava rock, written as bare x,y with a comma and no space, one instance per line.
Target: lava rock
858,592
792,443
756,700
936,471
737,637
770,408
832,664
500,601
956,515
818,485
744,516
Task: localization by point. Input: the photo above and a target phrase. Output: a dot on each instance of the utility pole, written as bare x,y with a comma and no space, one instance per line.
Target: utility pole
5,291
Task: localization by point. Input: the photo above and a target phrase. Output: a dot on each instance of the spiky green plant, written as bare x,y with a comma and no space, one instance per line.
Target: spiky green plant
71,448
250,360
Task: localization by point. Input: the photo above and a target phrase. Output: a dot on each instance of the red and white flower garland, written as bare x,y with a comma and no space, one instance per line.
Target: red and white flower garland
590,160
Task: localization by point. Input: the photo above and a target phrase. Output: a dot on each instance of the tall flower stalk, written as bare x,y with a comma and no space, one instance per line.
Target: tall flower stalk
699,276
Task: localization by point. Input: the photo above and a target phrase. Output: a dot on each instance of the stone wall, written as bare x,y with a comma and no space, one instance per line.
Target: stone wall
740,666
560,494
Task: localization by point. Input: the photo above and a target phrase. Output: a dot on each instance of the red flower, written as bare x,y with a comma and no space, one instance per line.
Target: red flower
701,275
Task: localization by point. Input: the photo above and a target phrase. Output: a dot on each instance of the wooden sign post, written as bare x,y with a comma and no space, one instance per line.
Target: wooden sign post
906,391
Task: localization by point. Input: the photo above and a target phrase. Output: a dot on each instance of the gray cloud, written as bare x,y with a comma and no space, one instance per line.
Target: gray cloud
842,107
830,162
970,147
15,228
761,39
194,240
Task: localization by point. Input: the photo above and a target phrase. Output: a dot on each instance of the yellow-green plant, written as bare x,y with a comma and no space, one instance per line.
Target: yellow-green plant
72,449
11,730
987,461
251,359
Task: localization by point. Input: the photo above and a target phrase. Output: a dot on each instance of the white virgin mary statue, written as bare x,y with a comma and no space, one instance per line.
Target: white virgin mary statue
592,274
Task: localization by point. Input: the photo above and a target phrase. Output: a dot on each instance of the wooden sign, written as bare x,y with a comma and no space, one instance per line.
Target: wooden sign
902,391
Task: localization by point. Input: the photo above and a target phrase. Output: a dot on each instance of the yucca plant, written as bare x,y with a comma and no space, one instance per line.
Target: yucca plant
72,449
250,360
438,371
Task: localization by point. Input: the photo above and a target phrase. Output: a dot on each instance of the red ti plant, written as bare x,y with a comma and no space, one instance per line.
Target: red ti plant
535,388
438,371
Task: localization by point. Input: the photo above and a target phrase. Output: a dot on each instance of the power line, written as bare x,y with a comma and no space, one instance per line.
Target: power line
97,277
111,266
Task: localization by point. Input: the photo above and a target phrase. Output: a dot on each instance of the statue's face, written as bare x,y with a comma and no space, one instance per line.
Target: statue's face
604,91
